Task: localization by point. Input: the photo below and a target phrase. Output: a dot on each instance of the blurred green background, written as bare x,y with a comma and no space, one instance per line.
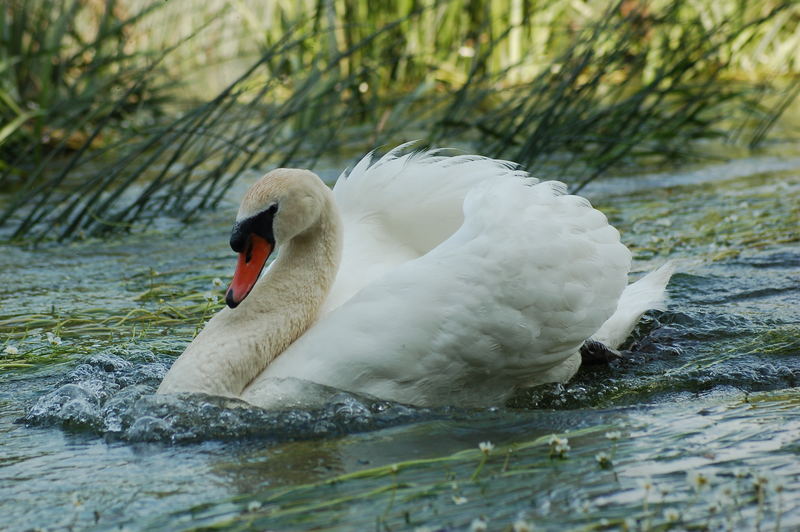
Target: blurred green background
113,110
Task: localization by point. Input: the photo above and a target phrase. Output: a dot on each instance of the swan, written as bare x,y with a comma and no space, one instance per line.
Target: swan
421,277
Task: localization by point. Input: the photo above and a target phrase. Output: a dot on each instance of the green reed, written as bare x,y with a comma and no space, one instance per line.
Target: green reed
569,93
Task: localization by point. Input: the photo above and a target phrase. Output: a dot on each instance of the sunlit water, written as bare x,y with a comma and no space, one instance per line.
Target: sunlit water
709,387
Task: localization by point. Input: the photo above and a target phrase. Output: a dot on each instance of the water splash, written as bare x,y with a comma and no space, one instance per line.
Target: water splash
114,397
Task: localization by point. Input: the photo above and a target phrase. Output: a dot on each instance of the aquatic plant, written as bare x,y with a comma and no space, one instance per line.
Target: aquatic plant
559,447
425,496
603,459
486,448
592,89
71,77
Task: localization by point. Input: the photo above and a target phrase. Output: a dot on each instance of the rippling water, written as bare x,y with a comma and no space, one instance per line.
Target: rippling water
709,387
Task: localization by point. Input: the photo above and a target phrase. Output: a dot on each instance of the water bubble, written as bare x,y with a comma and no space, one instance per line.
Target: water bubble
147,428
112,393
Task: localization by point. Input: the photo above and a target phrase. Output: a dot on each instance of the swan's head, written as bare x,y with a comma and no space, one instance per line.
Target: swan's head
278,207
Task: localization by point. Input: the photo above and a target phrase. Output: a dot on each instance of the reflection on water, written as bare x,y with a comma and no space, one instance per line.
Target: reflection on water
710,386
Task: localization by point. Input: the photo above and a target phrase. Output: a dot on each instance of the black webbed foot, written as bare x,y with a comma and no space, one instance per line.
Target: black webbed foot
594,352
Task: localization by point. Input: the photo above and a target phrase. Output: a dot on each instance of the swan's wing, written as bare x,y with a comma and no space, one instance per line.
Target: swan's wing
401,206
529,276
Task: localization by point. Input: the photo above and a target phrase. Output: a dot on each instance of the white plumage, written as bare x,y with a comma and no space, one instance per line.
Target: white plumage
461,278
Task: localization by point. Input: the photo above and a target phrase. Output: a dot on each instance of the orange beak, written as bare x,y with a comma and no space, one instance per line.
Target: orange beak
248,268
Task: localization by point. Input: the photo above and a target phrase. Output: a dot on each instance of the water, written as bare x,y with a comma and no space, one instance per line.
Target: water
711,386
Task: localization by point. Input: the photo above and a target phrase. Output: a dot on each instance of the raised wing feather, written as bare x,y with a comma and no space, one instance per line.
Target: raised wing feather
400,207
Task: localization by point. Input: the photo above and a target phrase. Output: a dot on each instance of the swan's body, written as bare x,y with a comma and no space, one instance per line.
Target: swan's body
459,279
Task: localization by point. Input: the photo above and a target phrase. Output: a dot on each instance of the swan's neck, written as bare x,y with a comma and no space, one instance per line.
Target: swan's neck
294,288
238,344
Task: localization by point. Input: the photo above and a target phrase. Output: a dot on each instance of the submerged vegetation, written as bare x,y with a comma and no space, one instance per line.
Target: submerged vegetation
110,120
438,493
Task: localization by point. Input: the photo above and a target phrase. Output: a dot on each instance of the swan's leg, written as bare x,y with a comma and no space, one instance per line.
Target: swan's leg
594,352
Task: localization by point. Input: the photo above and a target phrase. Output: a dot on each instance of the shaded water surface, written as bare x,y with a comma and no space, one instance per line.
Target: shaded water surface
710,387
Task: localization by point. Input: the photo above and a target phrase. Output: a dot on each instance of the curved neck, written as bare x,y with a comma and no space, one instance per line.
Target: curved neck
238,344
292,291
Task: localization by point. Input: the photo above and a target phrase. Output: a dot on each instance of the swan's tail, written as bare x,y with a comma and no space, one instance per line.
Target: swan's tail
645,294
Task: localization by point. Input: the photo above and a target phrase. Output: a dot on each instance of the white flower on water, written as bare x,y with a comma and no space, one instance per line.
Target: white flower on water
459,500
486,447
716,505
646,483
252,506
603,459
699,480
760,480
479,524
521,525
52,339
672,515
11,350
613,435
217,282
558,446
211,298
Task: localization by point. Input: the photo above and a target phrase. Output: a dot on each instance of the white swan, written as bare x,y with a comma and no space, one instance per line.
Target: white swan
460,278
